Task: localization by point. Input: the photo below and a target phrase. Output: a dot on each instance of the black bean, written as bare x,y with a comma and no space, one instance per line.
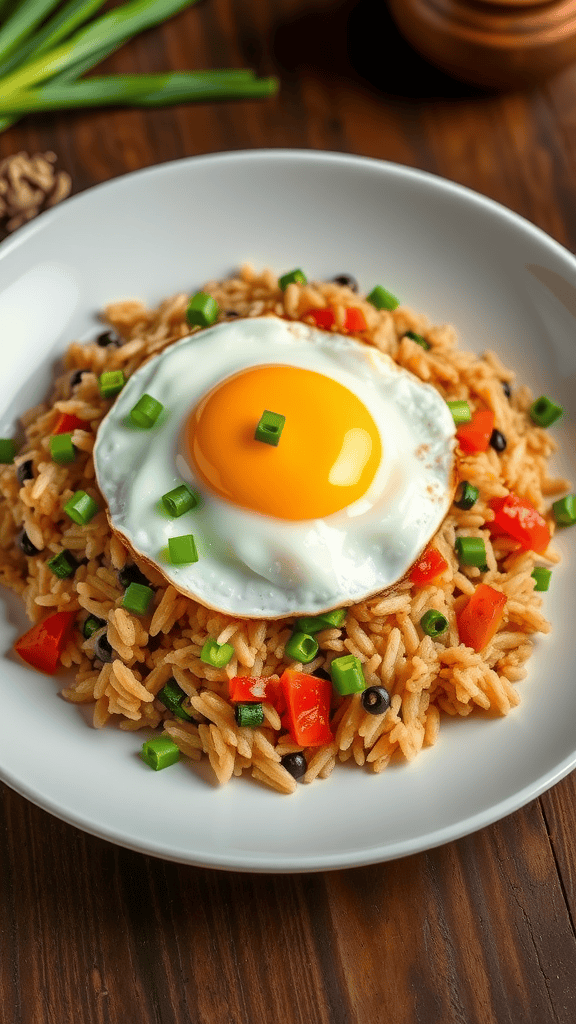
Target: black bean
77,377
25,544
375,700
103,649
347,281
131,574
24,472
231,314
108,338
498,441
295,764
321,673
506,388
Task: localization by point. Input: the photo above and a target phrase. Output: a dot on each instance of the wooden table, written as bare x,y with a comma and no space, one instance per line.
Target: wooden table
481,931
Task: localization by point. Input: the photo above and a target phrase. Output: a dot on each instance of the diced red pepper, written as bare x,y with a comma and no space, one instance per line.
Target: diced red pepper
355,319
475,435
480,618
325,318
428,567
307,715
257,688
67,422
519,519
322,318
43,644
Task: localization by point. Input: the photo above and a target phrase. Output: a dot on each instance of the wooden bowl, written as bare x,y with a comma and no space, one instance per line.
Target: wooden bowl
499,44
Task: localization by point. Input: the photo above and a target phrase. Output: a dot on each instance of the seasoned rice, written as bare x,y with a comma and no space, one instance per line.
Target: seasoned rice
426,678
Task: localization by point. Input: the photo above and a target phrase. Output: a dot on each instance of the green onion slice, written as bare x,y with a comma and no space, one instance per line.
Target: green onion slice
81,508
137,598
160,752
565,510
63,565
111,383
146,412
381,298
270,427
182,550
293,277
471,551
180,500
202,310
460,412
434,623
544,411
171,696
418,339
347,675
62,450
327,620
301,647
7,450
541,577
467,495
249,715
216,655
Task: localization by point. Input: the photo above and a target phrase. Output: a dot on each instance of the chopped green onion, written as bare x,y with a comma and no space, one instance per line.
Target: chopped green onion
202,310
434,623
315,623
302,647
381,298
418,339
460,411
63,565
294,277
7,450
541,576
111,383
565,510
171,696
216,655
62,450
347,675
146,412
91,625
182,550
160,752
467,495
81,508
471,551
249,715
180,500
270,427
544,411
137,598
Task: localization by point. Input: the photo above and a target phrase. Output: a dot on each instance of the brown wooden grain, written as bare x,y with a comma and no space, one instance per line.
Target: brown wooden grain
481,931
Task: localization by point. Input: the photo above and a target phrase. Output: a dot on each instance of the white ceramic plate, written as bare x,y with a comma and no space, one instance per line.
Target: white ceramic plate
445,251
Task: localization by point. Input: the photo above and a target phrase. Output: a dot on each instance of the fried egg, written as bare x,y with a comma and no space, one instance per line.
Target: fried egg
339,509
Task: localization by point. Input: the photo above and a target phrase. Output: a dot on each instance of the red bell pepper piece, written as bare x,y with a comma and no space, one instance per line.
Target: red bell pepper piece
480,618
475,435
43,644
519,519
322,318
307,715
428,567
67,422
257,688
355,319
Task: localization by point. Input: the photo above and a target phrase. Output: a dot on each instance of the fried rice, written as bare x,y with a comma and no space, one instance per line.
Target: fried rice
426,678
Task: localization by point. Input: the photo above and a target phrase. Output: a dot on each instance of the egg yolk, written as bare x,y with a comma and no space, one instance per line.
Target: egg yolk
326,457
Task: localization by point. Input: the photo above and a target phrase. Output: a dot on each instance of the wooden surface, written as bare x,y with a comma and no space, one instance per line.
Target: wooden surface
481,931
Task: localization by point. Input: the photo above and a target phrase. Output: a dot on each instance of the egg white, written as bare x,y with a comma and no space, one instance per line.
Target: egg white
256,566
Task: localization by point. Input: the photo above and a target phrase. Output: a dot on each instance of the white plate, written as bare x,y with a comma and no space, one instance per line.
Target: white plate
445,251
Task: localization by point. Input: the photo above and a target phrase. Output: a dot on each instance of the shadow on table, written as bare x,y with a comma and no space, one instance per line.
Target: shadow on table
347,40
